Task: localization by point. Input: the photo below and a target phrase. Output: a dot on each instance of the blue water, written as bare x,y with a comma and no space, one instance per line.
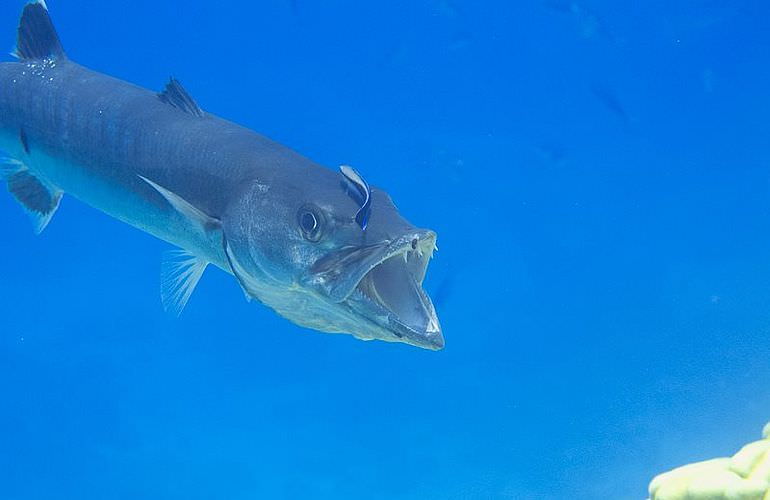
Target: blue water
598,173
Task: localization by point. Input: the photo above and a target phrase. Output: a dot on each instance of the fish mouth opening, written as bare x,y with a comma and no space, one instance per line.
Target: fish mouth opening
381,284
390,293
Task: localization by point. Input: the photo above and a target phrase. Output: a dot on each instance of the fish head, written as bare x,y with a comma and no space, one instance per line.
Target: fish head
305,251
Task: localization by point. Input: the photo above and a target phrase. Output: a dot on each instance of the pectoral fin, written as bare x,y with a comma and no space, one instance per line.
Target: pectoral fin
39,199
180,274
203,220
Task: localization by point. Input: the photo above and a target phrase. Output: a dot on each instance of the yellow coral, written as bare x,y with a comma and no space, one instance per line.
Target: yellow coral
744,476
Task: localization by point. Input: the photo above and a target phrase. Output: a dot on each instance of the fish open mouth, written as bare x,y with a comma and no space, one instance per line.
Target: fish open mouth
391,295
383,285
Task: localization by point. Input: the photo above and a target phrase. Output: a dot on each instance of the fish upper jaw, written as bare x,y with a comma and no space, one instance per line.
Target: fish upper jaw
338,274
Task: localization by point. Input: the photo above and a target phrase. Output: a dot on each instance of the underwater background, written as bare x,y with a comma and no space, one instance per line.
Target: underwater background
598,173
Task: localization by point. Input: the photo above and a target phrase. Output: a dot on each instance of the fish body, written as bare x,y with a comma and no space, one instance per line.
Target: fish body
321,248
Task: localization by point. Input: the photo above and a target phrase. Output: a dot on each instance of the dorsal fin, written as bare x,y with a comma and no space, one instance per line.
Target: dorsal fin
178,97
37,38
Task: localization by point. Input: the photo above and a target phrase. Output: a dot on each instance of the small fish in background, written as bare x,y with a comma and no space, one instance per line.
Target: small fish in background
460,41
588,21
446,8
610,100
552,152
294,7
394,56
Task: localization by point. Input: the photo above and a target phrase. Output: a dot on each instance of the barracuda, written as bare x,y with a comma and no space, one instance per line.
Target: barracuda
322,248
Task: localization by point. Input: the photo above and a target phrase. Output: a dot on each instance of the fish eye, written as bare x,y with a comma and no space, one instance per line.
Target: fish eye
310,223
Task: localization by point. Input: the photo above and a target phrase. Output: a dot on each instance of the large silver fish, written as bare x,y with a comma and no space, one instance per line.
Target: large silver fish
322,248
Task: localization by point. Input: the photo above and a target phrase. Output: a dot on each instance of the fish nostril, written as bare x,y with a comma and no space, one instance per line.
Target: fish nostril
414,244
